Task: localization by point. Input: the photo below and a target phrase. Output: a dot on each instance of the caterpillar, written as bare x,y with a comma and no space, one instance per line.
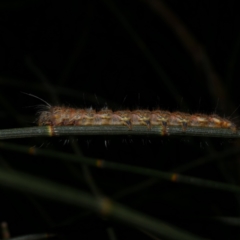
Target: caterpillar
65,116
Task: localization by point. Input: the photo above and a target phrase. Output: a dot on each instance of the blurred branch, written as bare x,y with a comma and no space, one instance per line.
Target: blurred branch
145,50
197,52
34,236
103,206
168,176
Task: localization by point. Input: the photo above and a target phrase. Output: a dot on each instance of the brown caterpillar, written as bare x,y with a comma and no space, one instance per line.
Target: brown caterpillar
65,116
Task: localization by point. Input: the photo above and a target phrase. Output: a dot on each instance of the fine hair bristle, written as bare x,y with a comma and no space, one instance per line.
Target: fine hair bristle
29,94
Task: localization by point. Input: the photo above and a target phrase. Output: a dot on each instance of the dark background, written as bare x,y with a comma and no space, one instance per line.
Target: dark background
121,54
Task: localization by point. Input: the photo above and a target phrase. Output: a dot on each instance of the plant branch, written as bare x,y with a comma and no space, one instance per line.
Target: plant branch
48,131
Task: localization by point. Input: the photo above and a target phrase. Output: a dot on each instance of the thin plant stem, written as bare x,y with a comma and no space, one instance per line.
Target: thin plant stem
49,131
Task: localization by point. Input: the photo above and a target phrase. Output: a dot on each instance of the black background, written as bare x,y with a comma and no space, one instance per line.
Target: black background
120,54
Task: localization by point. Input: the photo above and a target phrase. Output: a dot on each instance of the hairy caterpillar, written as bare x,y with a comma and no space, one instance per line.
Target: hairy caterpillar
65,116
